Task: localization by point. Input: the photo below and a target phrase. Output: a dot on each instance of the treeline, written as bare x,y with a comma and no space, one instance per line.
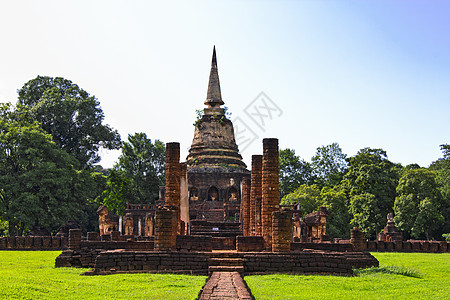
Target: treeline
49,153
361,190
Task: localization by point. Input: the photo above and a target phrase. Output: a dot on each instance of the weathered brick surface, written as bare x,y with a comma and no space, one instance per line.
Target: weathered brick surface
173,173
255,194
74,238
249,243
281,231
225,285
189,243
246,187
166,228
270,188
338,247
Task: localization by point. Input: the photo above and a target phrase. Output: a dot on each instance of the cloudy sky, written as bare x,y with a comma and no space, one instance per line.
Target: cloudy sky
361,73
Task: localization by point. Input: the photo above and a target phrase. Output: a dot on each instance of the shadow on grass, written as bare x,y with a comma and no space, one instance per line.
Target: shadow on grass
395,270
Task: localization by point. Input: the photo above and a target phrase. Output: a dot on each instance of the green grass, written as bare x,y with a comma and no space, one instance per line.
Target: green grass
400,276
32,275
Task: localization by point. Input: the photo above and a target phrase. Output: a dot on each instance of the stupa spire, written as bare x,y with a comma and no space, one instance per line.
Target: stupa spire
214,96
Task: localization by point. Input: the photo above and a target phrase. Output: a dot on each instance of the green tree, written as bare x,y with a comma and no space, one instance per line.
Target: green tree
417,191
336,202
329,165
306,196
72,117
294,172
36,177
138,174
371,183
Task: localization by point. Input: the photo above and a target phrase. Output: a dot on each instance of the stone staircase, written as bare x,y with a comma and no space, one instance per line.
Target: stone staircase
226,261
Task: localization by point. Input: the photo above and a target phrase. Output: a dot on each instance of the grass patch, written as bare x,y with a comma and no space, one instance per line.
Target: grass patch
400,276
32,275
388,270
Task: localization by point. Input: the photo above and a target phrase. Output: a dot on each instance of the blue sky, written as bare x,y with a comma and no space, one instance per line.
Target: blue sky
360,73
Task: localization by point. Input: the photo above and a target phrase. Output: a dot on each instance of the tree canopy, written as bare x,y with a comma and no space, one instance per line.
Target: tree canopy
329,165
294,172
72,117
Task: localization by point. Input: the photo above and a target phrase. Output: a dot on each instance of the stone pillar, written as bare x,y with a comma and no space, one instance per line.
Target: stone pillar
245,200
357,239
165,223
120,224
74,238
281,231
173,171
258,223
184,199
255,191
270,188
140,226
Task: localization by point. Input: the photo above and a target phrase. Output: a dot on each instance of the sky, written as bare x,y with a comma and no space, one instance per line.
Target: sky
360,73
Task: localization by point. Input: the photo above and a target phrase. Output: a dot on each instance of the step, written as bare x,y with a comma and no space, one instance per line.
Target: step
226,262
225,254
239,269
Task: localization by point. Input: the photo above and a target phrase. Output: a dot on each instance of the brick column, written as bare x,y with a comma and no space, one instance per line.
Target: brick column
270,188
173,172
281,231
357,239
165,223
74,238
245,200
255,191
258,222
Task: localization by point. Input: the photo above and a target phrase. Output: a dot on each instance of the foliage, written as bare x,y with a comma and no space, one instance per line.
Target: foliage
387,283
36,177
139,173
72,117
446,236
370,183
294,172
310,197
442,169
32,275
329,165
417,205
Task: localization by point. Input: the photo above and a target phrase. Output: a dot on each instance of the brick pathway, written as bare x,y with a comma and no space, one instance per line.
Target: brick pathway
225,285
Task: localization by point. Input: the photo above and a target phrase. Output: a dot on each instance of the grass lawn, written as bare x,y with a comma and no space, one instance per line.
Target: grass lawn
32,275
418,276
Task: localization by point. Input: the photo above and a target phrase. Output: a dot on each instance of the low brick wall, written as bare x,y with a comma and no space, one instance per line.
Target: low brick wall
408,246
223,243
152,262
112,245
306,262
188,243
322,246
34,243
79,258
249,243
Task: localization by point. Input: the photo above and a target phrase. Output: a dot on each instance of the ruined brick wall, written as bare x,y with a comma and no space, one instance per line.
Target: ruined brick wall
249,243
281,231
189,243
34,243
270,187
256,194
152,262
246,186
322,246
166,228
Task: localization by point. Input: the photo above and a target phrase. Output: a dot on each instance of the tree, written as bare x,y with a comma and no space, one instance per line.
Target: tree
306,196
336,202
36,177
329,165
370,184
137,176
72,117
418,197
294,172
310,197
442,170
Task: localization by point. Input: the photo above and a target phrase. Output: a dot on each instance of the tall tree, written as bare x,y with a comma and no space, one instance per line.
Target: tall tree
138,174
418,203
36,177
442,170
294,172
329,165
306,196
72,117
370,183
